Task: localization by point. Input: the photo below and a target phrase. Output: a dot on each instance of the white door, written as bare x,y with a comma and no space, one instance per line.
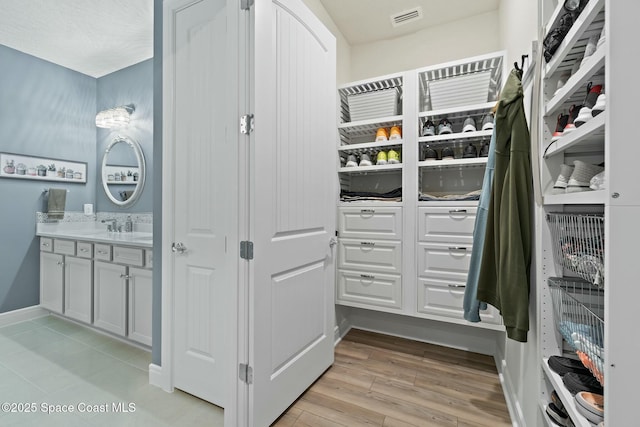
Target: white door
291,293
202,198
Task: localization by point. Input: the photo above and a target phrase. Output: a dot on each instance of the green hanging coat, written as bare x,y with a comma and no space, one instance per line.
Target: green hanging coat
506,257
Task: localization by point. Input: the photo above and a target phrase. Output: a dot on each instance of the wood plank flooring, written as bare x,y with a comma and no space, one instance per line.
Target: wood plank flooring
379,380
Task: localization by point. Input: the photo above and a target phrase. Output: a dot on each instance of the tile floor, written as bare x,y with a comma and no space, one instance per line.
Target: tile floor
52,361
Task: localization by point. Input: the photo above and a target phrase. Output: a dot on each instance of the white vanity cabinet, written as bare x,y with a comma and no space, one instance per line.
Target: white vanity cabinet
106,285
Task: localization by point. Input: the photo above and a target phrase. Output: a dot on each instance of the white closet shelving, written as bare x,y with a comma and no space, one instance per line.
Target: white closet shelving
587,143
382,265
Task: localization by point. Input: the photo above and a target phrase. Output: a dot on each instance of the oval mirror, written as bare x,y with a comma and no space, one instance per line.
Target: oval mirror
123,171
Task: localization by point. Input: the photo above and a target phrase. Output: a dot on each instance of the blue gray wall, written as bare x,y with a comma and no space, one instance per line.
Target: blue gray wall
131,85
47,111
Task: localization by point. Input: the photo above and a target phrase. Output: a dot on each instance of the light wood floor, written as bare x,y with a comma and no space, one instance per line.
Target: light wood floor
379,380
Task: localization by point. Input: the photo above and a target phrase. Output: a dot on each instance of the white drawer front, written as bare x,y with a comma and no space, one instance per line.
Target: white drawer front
130,256
445,298
442,224
372,222
85,250
46,244
102,252
65,247
370,255
148,258
444,261
383,290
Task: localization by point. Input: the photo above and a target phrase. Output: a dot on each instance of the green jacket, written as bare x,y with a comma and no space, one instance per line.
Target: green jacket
506,257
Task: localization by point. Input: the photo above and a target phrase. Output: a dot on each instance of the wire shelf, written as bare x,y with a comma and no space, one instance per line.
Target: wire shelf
578,245
579,312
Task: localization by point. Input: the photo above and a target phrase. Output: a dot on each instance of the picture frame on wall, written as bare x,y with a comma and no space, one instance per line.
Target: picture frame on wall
22,166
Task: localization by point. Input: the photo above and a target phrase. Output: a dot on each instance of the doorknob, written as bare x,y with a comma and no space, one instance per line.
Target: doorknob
332,242
179,248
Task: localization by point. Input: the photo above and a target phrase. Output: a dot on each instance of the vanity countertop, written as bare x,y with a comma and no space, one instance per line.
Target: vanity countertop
89,232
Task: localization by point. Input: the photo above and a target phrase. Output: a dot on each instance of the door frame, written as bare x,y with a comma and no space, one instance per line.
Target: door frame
162,376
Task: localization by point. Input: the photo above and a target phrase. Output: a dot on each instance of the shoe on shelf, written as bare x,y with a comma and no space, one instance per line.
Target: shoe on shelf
470,152
381,158
428,129
591,406
557,415
563,119
487,122
444,127
576,383
447,153
584,115
580,179
393,157
592,45
382,135
559,187
602,39
469,125
562,80
395,133
352,161
484,150
600,104
365,160
555,399
573,113
430,154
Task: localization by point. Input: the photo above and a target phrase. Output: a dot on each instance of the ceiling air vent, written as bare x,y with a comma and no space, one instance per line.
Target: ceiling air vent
406,16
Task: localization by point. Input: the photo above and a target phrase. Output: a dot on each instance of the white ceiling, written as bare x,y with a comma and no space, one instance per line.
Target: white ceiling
98,37
94,37
364,21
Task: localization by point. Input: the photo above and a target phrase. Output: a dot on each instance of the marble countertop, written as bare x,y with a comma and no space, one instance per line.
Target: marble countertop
92,232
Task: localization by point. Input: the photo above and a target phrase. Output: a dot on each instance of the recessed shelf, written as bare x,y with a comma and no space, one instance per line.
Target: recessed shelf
363,127
441,164
564,394
459,136
368,169
587,138
471,110
369,146
580,198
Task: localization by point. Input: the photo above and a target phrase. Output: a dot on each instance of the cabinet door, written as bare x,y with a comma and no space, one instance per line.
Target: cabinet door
51,279
78,288
140,294
110,297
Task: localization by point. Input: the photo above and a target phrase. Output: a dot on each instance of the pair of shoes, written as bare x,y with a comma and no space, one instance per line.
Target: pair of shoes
430,154
484,150
352,160
574,179
555,37
445,127
558,416
566,123
383,135
591,406
575,383
487,122
428,129
469,125
470,152
563,365
387,157
591,100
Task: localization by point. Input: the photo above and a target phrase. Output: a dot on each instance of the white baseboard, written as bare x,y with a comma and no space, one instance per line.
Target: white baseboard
22,314
158,379
509,391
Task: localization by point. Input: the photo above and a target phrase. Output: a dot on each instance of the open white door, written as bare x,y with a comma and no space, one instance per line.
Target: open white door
291,289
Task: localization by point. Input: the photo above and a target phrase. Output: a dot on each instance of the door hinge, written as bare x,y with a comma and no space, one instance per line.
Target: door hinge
246,124
246,249
245,4
245,373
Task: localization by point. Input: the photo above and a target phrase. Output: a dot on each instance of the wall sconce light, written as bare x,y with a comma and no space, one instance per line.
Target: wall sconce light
115,117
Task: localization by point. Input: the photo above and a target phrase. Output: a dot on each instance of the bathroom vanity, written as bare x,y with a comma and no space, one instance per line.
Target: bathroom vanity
99,278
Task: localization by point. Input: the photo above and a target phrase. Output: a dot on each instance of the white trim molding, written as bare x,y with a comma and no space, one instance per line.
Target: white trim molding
22,314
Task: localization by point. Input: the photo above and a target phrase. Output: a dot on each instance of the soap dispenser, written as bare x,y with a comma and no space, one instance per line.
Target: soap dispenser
128,225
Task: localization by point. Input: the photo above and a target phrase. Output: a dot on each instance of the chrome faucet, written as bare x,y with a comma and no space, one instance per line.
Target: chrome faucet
113,223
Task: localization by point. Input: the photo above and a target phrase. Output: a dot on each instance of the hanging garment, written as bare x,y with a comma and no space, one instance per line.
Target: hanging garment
506,259
471,304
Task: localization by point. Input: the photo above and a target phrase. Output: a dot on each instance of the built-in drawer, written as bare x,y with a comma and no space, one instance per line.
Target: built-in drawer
382,290
85,250
446,224
46,244
446,297
129,256
370,255
370,222
102,252
148,258
64,247
444,261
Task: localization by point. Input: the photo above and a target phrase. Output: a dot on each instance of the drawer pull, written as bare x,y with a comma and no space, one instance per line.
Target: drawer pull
46,245
103,252
84,250
457,248
368,243
367,276
125,276
367,211
60,263
455,211
457,286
